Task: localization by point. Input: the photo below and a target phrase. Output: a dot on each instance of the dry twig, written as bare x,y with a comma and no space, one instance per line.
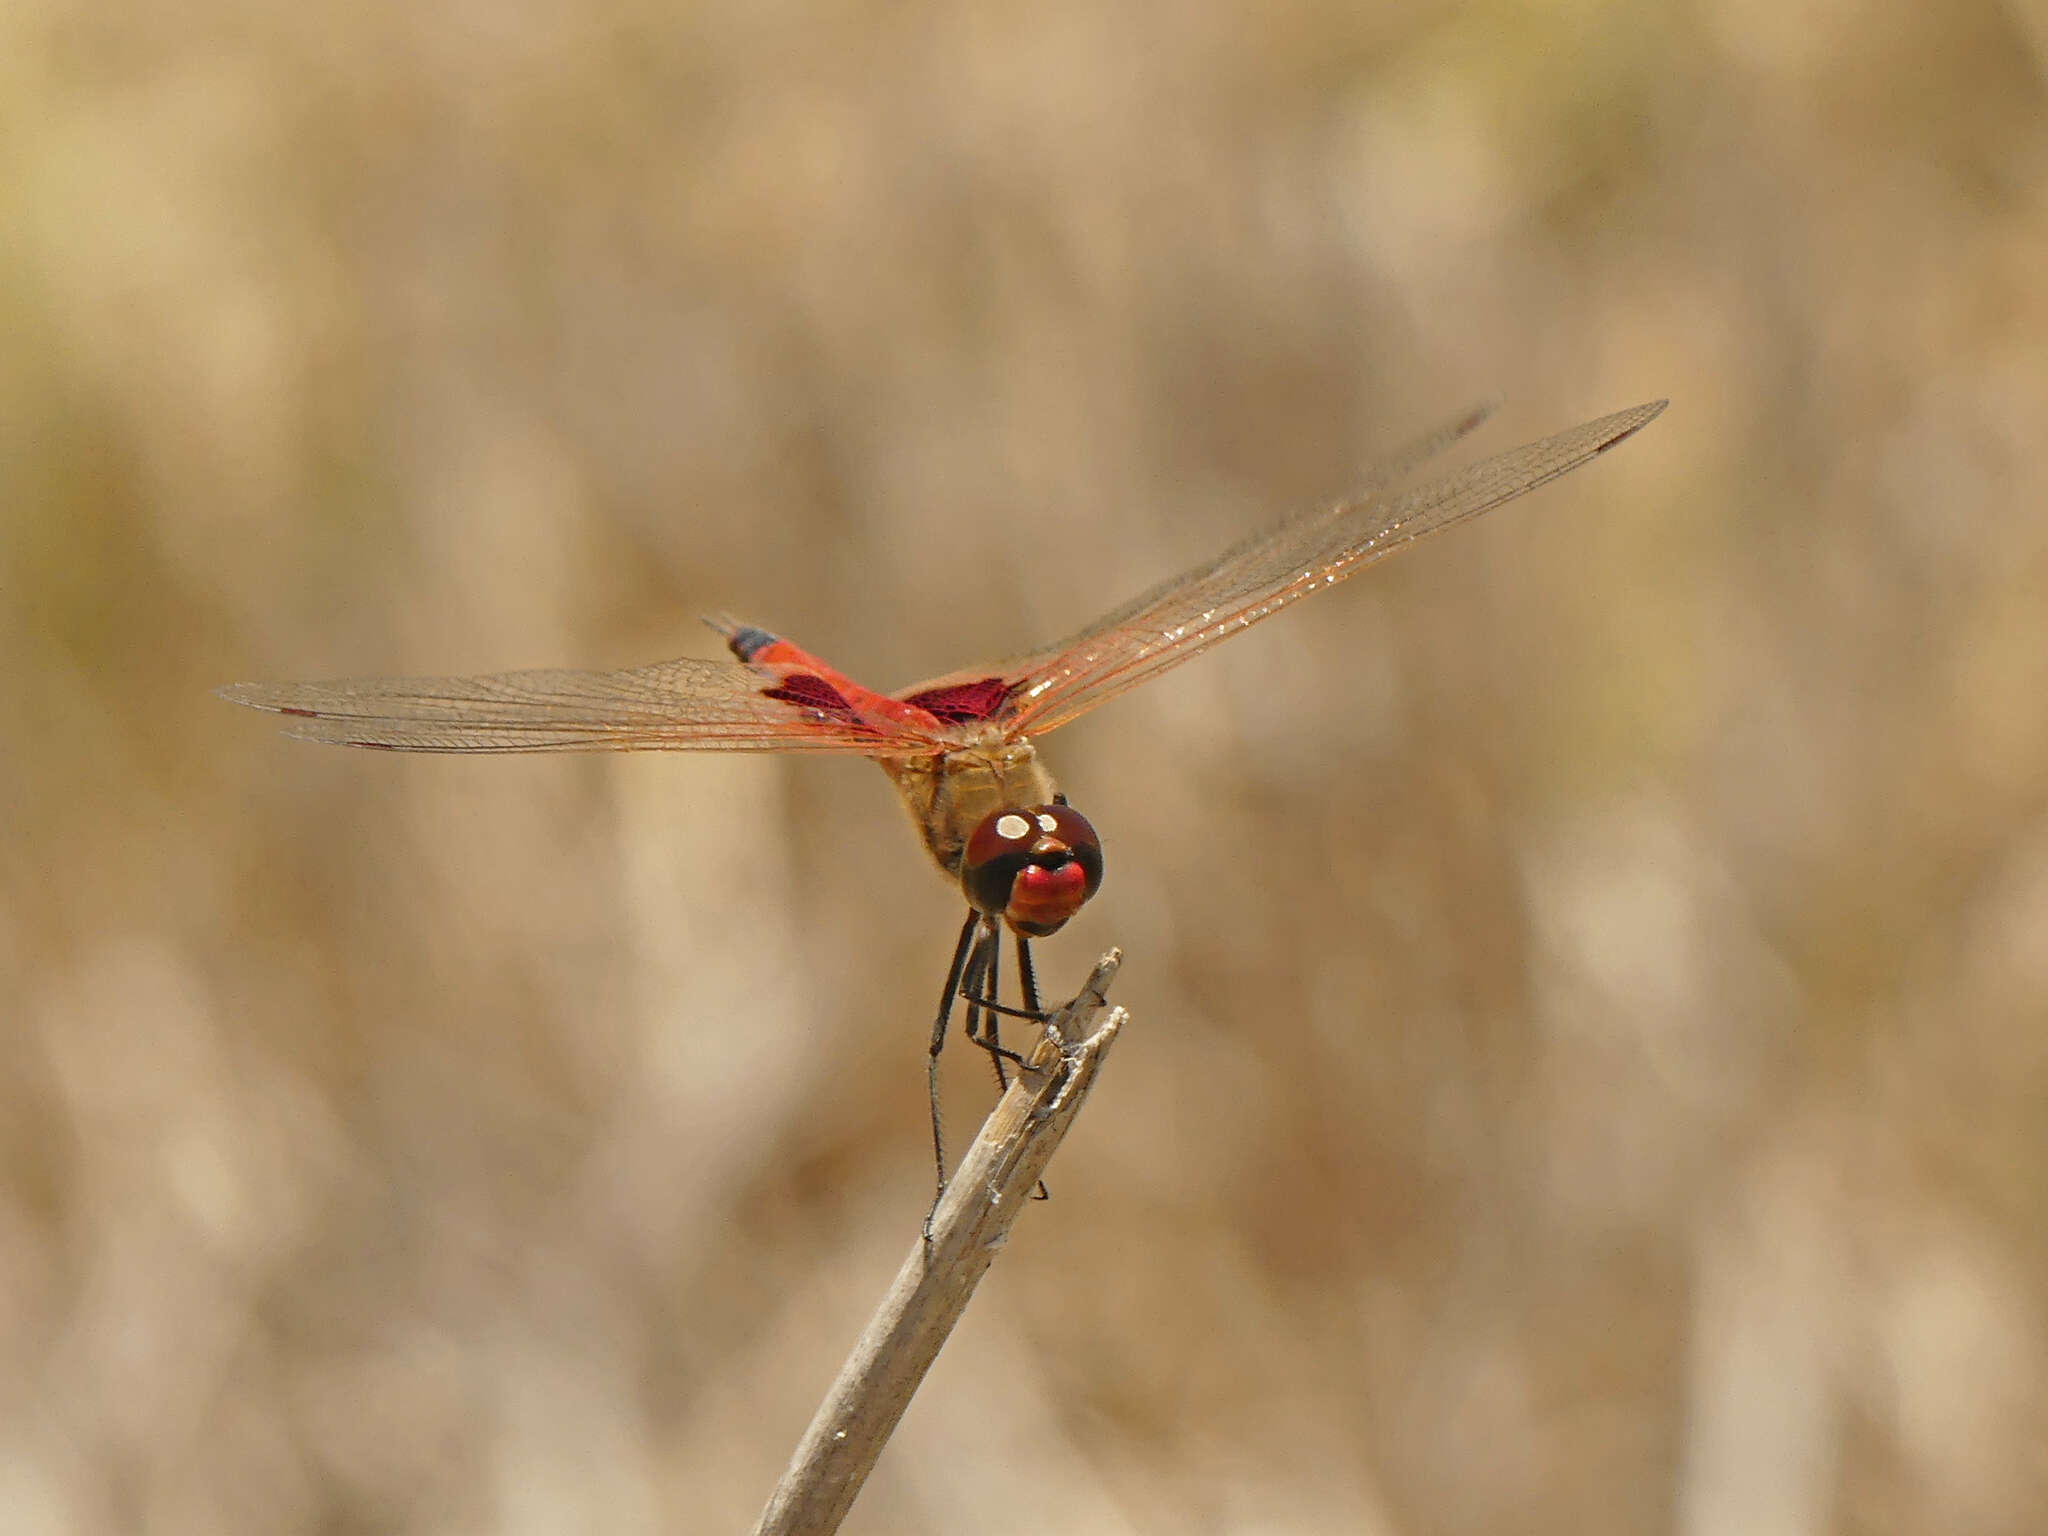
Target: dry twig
931,1290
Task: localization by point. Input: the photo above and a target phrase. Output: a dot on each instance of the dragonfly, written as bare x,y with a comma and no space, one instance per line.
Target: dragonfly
959,747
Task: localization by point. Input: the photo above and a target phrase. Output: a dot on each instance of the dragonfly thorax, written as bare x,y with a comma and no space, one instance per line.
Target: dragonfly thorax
949,794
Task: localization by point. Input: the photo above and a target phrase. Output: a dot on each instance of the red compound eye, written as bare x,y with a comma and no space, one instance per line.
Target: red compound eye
1032,868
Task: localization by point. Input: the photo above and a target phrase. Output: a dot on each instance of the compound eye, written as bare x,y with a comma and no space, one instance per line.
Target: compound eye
1063,824
1034,868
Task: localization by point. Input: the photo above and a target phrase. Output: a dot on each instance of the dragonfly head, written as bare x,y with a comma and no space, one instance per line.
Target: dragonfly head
1032,868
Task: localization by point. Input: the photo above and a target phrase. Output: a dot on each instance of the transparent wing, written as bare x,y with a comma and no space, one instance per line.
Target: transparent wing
691,704
1257,578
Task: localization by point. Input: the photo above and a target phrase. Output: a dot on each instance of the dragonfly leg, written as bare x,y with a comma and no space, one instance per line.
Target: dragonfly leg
1031,1012
954,983
984,1010
1027,978
978,986
974,977
1027,974
989,1035
990,1005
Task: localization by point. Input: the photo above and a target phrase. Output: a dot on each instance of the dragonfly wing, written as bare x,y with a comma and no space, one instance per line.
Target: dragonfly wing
691,704
1257,578
987,693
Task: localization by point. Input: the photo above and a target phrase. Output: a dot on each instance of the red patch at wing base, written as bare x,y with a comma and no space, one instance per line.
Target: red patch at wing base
808,692
962,703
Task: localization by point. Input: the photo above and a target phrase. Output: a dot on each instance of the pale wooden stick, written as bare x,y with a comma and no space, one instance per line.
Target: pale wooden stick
902,1339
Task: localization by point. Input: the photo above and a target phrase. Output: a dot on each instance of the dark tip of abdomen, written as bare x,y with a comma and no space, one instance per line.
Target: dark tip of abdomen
747,642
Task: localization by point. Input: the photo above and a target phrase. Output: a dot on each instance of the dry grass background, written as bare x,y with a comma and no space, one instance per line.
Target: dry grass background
1590,1060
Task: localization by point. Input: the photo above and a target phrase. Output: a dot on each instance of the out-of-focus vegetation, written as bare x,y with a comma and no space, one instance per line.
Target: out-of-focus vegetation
1590,1059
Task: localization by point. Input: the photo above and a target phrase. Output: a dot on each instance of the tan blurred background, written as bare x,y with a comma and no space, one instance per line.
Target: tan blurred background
1589,1069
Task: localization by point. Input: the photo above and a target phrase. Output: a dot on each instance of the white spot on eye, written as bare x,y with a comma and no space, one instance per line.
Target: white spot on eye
1011,827
1046,823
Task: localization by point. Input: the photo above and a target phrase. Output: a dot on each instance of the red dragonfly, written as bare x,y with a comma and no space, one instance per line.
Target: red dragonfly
958,747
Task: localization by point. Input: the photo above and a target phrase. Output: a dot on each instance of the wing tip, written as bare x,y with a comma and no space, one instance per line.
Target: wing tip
1637,417
271,698
1612,431
264,696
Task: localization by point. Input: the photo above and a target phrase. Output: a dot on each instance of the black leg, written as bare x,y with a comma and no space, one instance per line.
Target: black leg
991,1037
973,977
978,985
979,989
961,950
1027,978
990,1005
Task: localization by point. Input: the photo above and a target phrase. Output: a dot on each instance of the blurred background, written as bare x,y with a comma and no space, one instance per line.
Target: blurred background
1589,1058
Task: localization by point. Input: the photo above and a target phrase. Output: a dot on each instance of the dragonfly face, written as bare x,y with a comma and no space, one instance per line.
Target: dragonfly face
1032,868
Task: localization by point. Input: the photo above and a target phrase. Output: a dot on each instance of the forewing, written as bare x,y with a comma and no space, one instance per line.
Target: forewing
994,693
1257,578
686,705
